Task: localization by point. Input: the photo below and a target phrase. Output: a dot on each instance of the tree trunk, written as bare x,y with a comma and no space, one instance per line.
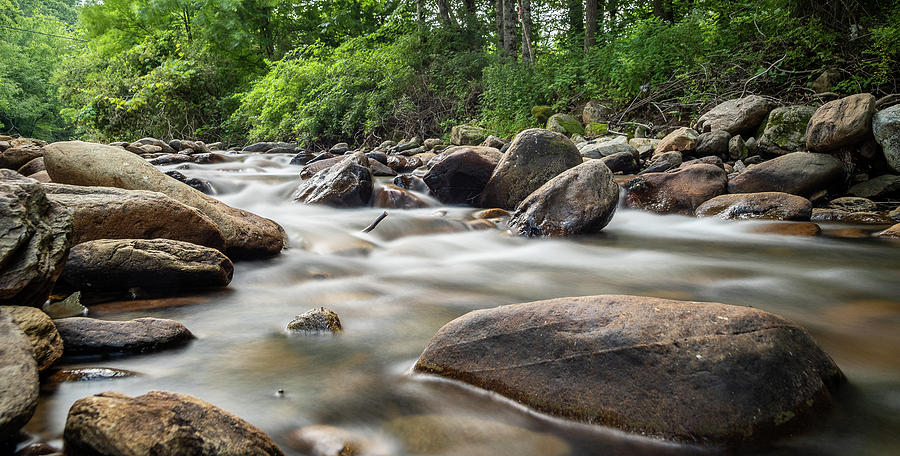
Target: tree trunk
509,28
420,15
527,49
576,18
590,24
498,6
444,13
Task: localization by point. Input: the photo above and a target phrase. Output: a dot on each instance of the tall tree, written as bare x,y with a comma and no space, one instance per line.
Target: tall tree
590,24
576,19
444,12
509,28
525,18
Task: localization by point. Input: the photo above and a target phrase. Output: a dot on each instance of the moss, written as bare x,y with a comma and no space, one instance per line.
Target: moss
542,113
785,129
565,124
596,129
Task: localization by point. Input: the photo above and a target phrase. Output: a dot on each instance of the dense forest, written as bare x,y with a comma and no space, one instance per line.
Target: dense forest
364,70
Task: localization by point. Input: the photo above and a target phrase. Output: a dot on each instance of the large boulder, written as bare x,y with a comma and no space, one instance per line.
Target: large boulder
884,187
18,380
580,200
246,235
467,135
159,423
886,127
680,191
784,130
565,124
114,213
16,157
347,184
840,123
89,336
35,235
534,157
687,371
767,205
798,173
41,332
461,174
736,115
118,265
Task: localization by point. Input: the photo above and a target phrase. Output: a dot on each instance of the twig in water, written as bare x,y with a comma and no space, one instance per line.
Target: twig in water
375,223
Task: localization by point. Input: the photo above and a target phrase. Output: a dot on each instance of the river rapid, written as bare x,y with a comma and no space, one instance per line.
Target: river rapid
418,269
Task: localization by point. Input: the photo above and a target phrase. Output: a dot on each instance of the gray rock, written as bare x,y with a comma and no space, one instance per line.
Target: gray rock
886,127
737,148
18,379
90,336
766,206
798,173
159,423
36,234
681,370
565,124
346,184
467,135
712,143
623,162
736,115
853,204
461,173
663,162
119,265
579,200
319,320
885,187
534,157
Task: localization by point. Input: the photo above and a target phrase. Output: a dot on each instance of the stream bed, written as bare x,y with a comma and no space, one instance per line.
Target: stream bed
394,287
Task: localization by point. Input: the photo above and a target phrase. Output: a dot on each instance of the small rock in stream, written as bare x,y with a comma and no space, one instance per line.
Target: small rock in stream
90,336
319,320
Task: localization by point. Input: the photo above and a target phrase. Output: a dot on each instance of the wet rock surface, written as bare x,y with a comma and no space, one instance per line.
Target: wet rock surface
89,336
679,192
462,173
315,321
580,200
111,265
348,183
35,235
767,205
682,370
159,423
18,379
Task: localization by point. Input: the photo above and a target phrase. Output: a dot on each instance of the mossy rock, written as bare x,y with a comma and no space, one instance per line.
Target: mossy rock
595,129
784,130
565,124
542,113
467,135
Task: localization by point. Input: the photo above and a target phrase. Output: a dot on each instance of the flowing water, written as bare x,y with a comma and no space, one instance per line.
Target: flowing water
397,285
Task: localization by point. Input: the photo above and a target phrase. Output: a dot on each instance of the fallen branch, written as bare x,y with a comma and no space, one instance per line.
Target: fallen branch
375,223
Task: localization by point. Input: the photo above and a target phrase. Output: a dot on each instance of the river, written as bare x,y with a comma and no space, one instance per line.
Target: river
397,285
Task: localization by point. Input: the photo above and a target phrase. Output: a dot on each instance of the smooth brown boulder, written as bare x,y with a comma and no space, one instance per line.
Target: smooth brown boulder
118,265
680,370
345,184
159,423
246,235
114,213
89,336
534,157
798,173
736,115
841,123
461,173
35,235
680,140
41,332
16,157
581,200
766,205
679,192
34,166
18,379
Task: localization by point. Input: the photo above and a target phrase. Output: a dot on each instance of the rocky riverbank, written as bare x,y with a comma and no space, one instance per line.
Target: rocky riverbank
86,223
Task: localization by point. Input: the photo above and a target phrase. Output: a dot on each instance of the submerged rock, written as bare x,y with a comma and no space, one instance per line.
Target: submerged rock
114,213
324,440
394,197
246,235
111,265
681,370
41,332
159,423
679,192
534,157
788,229
35,234
346,184
319,320
18,379
580,200
766,205
90,336
798,173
